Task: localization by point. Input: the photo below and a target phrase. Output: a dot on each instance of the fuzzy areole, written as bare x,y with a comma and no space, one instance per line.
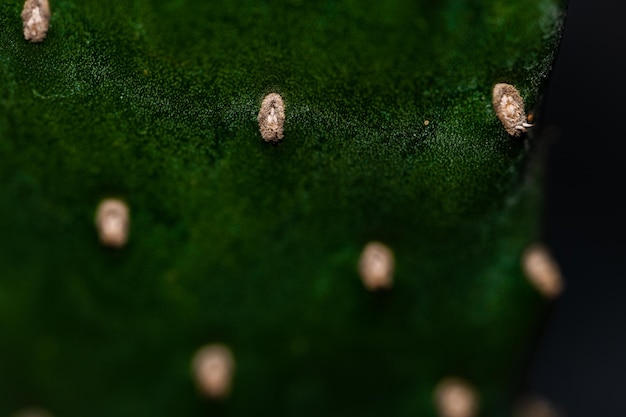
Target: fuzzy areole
509,107
36,19
272,118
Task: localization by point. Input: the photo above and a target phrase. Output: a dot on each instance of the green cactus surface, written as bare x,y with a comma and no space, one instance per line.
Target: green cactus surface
390,135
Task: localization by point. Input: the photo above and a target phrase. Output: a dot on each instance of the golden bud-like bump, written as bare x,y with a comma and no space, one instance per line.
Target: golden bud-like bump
113,222
509,108
213,367
542,271
272,118
376,266
455,397
36,19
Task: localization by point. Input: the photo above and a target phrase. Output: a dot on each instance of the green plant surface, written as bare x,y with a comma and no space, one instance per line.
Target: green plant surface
390,135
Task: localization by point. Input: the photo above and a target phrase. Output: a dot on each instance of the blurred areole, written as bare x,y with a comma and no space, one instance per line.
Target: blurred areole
32,412
113,222
455,397
376,266
542,271
213,367
536,407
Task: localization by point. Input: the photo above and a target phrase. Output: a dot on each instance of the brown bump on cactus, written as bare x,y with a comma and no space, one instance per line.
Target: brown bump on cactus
213,367
32,412
536,407
509,108
455,397
272,118
36,19
113,222
376,266
542,271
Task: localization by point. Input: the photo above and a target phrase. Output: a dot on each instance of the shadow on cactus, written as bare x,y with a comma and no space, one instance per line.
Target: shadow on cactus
380,129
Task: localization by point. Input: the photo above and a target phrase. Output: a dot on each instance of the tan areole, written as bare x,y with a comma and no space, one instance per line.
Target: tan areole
36,19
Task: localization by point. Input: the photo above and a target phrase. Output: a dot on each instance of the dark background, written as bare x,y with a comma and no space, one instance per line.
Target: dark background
580,363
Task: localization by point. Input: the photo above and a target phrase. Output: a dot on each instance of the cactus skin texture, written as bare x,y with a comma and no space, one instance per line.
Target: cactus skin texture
389,136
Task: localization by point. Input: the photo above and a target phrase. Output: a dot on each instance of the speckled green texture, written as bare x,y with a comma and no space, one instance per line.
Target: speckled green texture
255,245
